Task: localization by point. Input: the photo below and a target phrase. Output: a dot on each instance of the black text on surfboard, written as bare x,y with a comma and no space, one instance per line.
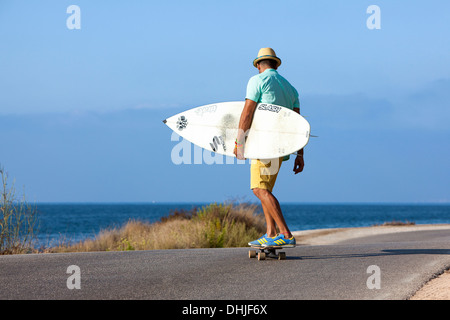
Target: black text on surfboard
218,141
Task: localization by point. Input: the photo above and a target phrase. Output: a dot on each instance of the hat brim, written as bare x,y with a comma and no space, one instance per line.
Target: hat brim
258,59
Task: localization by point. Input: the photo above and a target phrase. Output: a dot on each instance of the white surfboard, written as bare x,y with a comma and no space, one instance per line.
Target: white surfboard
275,131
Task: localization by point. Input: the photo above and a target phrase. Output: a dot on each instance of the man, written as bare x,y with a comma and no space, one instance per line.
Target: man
268,87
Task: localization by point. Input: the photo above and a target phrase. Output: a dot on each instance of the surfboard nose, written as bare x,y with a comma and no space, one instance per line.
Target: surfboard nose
165,120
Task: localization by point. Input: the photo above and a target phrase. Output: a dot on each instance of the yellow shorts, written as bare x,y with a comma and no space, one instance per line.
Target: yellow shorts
263,173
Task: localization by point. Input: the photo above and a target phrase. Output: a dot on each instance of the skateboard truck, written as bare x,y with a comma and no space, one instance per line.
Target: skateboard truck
269,252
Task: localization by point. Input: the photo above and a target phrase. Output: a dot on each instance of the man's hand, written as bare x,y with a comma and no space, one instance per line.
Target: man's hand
239,151
299,164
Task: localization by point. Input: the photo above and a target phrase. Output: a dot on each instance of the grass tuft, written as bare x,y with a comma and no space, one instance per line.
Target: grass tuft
18,220
395,223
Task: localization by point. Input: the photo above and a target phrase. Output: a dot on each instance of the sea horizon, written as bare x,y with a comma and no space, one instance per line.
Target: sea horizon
82,220
443,202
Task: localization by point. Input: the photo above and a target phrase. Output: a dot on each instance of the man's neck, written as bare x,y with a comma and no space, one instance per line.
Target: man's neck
262,69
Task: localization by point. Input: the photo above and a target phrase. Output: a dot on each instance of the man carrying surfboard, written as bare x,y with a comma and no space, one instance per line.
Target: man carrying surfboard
268,87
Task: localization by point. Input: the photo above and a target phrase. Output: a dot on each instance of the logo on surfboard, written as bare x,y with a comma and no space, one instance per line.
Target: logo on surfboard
269,107
182,123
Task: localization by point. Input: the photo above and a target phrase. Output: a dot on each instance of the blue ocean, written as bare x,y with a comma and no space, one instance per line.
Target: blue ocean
76,222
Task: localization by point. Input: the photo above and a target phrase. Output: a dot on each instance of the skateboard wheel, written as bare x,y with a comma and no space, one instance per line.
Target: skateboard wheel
252,254
261,256
282,256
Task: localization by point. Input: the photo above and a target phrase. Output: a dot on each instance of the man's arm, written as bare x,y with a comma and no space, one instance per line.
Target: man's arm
244,124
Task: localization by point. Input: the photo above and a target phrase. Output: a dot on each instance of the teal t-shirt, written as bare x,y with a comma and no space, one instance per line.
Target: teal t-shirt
270,87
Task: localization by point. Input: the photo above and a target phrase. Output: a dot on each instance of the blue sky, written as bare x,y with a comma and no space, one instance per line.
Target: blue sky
81,110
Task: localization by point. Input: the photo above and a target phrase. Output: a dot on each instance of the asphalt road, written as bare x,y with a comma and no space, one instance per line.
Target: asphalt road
399,263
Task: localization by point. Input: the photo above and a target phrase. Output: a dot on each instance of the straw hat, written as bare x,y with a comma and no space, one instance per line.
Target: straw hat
266,53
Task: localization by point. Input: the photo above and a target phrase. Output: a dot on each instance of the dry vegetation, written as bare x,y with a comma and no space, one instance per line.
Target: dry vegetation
395,223
213,226
18,220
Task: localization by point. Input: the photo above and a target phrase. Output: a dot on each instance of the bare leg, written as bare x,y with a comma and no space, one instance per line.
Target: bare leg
272,213
270,223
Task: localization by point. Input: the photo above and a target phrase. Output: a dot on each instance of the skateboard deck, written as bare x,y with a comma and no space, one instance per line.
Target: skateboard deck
267,252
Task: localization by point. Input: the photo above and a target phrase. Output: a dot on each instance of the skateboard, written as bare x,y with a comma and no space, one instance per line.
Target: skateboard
267,252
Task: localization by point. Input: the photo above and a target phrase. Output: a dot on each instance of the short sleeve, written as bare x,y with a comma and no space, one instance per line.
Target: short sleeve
253,90
296,100
296,103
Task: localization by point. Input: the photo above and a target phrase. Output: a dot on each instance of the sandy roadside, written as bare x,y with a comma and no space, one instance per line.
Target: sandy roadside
436,289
